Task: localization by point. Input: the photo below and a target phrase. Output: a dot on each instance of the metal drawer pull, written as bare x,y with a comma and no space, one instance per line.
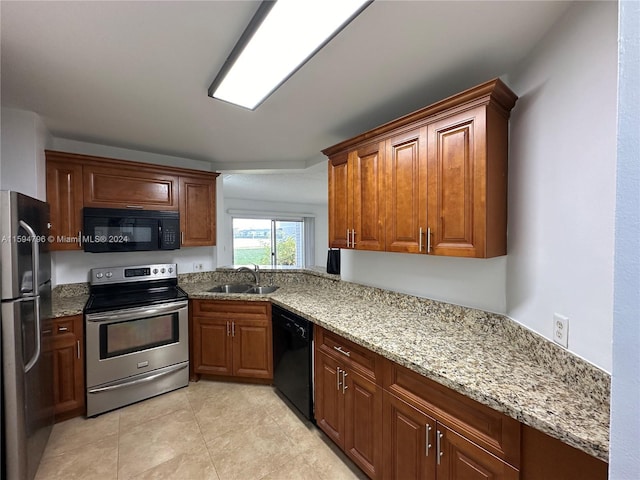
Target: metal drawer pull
135,207
62,329
344,352
338,377
427,440
438,439
344,381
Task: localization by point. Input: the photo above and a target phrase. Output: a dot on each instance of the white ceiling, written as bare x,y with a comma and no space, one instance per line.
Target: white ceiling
135,74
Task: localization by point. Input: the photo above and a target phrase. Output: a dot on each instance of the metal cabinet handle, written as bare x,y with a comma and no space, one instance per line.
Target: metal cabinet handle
344,381
135,207
181,238
428,240
339,349
233,329
79,238
62,329
439,436
420,240
228,330
338,371
427,440
353,238
78,348
348,237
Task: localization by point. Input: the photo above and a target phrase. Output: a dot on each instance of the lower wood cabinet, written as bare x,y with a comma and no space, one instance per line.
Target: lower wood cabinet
68,367
348,402
231,339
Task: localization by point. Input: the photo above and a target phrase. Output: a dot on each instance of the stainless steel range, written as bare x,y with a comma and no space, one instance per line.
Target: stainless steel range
136,328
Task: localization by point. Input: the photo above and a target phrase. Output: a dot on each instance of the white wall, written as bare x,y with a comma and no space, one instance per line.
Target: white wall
225,250
24,139
562,181
625,386
561,197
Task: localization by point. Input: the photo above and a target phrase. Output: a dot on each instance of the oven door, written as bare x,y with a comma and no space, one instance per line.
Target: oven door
127,343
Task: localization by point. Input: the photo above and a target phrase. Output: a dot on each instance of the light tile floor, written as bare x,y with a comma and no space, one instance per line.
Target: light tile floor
206,431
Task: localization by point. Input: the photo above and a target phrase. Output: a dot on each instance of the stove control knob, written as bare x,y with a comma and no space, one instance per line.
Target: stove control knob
162,270
170,270
155,271
99,275
108,274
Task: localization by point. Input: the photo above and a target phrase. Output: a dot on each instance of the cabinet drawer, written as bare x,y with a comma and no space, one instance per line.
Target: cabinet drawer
225,308
349,354
492,430
64,325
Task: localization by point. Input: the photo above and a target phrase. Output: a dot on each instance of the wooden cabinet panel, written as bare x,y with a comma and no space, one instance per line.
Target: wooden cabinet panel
197,211
65,197
231,338
358,358
406,192
329,409
457,184
122,187
212,350
363,423
252,349
68,367
340,201
462,460
368,197
409,439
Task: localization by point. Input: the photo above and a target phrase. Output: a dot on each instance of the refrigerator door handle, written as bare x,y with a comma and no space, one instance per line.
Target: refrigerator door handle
35,270
36,355
35,257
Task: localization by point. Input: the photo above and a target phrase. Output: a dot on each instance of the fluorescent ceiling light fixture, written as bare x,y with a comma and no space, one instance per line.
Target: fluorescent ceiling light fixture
280,38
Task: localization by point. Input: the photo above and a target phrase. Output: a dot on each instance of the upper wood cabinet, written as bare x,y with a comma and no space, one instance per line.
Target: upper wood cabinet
356,198
76,181
444,188
197,210
64,194
136,187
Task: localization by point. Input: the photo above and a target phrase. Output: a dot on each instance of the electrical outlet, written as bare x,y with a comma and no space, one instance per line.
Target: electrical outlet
561,329
197,267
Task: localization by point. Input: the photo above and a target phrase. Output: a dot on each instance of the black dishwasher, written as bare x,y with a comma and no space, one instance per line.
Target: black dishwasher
292,359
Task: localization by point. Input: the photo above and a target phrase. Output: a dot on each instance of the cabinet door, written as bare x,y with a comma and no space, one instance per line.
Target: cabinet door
463,460
406,192
252,348
340,201
368,196
363,423
197,211
212,346
329,399
68,367
122,187
64,195
457,184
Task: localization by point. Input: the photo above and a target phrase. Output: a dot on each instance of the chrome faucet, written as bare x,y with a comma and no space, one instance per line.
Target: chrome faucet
255,272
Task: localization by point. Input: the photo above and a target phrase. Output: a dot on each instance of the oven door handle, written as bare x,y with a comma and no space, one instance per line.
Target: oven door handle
129,383
133,313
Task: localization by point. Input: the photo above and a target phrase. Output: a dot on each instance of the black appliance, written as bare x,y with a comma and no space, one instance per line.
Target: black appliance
124,230
292,359
136,332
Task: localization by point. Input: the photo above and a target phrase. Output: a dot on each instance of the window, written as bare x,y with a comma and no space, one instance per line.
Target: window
266,241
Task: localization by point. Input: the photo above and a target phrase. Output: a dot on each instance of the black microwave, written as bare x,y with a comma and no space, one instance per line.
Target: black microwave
123,230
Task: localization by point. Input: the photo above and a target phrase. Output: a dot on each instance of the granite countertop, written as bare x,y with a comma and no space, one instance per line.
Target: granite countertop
485,356
472,352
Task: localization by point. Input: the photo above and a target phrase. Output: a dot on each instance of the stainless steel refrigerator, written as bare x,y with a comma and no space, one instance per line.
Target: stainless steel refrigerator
27,359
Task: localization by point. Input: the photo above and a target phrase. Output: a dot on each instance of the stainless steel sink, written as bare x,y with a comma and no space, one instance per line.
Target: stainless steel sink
263,290
243,288
231,288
